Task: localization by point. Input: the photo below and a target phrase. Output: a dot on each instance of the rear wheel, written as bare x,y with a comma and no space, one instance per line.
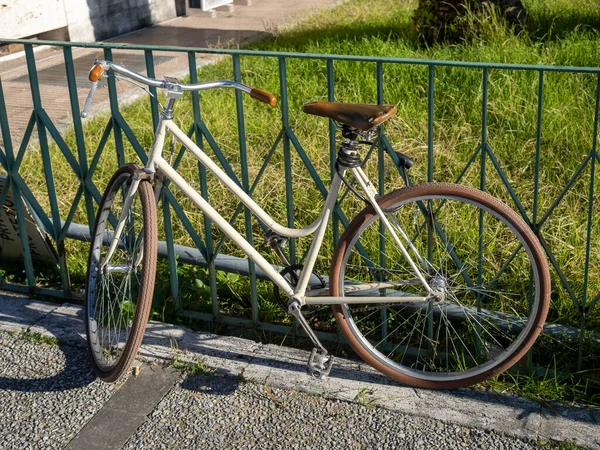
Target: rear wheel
119,291
486,265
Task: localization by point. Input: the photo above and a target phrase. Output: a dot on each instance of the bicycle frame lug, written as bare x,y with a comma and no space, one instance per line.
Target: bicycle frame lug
277,243
319,364
144,174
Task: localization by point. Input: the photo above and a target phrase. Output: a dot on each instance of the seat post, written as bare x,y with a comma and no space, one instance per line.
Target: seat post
348,155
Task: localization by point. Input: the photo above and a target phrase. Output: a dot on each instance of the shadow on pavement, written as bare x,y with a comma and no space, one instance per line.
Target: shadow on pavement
76,371
210,384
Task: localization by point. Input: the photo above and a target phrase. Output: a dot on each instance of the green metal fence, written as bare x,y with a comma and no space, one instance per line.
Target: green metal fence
207,251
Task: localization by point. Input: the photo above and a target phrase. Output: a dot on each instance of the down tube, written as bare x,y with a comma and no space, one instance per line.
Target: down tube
220,222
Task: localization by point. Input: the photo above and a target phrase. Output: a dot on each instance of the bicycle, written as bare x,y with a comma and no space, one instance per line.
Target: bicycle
435,285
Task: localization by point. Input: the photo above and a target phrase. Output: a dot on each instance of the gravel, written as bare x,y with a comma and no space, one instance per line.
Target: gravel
209,411
47,392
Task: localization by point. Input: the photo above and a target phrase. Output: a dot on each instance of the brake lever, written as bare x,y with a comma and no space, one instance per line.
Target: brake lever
96,73
88,100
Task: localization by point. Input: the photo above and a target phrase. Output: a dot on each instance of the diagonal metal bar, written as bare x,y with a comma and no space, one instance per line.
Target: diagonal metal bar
3,160
314,175
240,205
72,211
508,185
100,148
218,153
137,147
7,155
559,272
593,302
25,142
390,150
565,190
311,169
60,142
185,221
182,151
468,165
37,208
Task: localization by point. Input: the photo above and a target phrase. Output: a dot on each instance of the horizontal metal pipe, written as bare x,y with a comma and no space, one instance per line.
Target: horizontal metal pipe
187,255
421,62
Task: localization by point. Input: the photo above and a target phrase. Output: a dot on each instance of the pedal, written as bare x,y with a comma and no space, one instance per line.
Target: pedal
319,364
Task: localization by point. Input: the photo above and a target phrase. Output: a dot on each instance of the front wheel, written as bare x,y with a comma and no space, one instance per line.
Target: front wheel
485,265
119,288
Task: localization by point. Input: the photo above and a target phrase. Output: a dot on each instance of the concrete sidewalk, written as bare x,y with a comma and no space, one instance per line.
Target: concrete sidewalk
244,25
242,370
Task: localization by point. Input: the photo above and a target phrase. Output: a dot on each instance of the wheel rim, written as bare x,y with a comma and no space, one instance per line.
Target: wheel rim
113,289
480,322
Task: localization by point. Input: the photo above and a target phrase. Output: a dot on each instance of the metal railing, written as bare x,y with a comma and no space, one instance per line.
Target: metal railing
207,251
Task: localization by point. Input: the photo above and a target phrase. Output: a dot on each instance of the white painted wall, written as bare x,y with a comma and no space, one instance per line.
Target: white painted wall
86,20
22,18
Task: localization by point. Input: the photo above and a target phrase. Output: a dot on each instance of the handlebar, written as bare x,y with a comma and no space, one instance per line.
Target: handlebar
100,67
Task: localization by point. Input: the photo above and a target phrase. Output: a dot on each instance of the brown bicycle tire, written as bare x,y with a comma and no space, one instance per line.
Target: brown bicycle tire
144,299
442,189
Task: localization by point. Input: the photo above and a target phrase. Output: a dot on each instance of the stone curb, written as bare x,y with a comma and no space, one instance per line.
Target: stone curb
285,368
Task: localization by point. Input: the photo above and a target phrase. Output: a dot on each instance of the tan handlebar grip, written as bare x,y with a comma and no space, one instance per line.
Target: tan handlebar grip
263,96
96,72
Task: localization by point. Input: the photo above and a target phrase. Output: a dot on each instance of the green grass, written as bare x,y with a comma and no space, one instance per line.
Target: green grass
190,368
565,32
37,338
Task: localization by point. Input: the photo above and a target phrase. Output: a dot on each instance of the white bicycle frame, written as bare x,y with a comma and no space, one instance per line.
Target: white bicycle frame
156,162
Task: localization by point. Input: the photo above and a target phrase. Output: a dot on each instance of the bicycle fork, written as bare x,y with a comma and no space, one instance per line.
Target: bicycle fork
122,219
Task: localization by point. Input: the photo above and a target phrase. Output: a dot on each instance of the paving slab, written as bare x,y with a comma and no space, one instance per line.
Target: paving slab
64,323
126,410
19,313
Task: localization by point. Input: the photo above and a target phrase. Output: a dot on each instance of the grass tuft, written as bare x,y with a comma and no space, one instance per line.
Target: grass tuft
191,368
37,338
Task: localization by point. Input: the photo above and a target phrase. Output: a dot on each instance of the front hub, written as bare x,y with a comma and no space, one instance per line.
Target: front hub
439,286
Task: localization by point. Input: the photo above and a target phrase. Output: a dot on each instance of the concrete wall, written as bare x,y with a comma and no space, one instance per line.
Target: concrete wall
22,18
86,20
91,20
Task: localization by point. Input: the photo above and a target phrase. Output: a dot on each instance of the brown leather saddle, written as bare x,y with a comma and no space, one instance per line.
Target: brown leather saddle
359,116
